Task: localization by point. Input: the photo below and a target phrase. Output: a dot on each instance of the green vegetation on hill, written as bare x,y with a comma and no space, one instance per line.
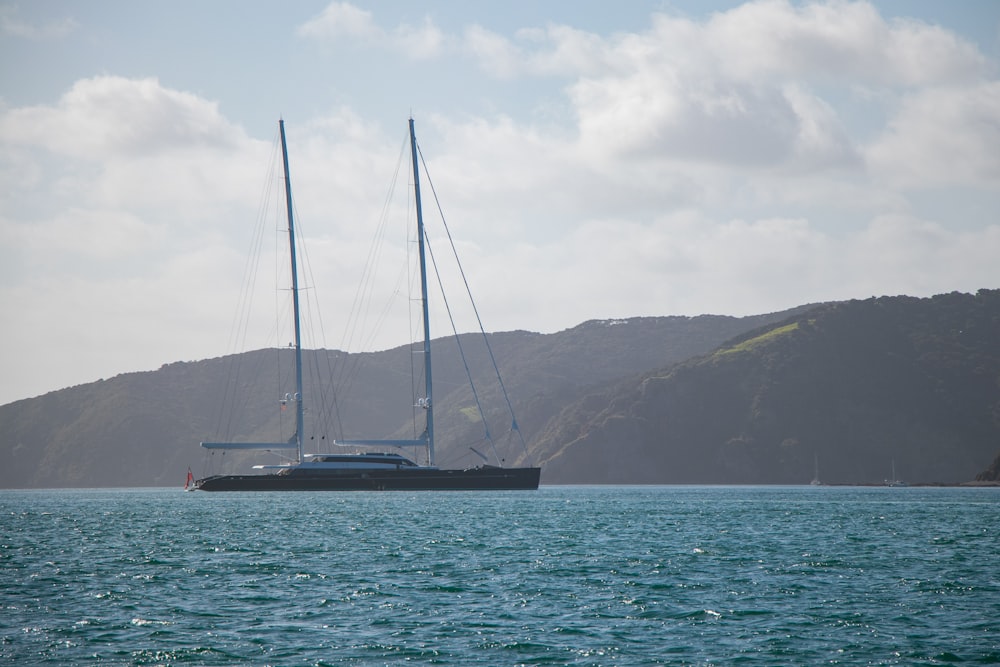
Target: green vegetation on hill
757,341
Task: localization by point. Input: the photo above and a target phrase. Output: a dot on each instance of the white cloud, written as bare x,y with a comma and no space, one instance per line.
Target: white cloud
129,180
943,136
664,118
114,115
573,51
495,53
685,263
705,166
341,19
422,42
920,54
899,254
836,40
821,139
11,25
763,84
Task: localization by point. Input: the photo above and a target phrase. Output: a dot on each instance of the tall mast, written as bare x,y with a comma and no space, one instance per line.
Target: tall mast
428,384
299,410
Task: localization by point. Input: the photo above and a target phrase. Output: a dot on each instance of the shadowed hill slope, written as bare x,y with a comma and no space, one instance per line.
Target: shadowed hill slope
855,387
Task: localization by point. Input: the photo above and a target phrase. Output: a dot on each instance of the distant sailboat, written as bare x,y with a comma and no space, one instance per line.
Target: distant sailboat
815,480
894,481
370,470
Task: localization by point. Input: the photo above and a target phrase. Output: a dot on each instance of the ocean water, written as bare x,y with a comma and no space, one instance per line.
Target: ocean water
561,576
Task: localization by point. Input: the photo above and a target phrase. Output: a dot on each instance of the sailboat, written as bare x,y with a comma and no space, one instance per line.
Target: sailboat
380,470
894,481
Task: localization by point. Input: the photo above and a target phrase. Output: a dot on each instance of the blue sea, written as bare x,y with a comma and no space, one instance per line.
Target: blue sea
561,576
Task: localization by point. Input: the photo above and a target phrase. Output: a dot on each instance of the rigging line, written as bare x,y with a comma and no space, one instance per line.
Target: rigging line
348,370
242,406
224,407
461,348
475,309
239,327
383,315
366,285
363,295
327,390
278,317
329,401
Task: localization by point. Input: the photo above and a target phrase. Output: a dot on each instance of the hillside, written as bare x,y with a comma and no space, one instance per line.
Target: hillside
143,429
992,474
853,388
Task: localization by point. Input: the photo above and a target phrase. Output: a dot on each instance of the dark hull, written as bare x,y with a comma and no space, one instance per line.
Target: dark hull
474,479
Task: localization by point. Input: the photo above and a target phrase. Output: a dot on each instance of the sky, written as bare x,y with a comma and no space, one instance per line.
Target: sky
596,160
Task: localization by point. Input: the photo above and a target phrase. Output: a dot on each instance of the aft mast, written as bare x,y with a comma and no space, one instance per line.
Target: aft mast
427,403
425,439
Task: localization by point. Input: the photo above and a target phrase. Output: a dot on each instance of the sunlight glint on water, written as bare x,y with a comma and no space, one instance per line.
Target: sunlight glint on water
581,576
